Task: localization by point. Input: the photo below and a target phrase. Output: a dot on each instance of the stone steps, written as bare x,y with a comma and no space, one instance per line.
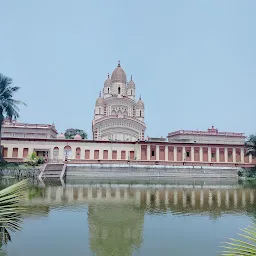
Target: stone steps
140,172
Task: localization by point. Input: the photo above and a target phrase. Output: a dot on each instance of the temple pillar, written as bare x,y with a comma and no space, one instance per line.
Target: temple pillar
209,154
250,158
226,154
183,154
217,155
148,152
166,153
157,152
242,155
100,154
234,155
192,154
201,154
175,154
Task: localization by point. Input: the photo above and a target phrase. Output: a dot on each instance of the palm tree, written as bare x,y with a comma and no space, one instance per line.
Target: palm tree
244,246
8,105
11,199
250,145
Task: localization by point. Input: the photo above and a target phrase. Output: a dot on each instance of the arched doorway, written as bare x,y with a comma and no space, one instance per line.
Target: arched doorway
78,153
56,153
67,152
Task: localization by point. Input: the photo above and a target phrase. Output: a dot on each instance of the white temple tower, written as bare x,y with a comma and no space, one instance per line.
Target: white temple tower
117,116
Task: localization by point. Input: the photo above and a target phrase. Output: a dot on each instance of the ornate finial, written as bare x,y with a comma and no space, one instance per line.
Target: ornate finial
140,96
119,65
100,95
108,75
131,77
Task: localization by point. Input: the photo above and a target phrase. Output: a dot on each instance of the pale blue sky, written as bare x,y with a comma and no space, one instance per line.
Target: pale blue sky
193,62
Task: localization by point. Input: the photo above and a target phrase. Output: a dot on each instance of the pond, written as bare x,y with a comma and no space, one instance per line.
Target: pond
175,218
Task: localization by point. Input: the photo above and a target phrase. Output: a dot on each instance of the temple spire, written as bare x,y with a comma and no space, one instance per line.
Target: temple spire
140,96
131,77
119,65
100,94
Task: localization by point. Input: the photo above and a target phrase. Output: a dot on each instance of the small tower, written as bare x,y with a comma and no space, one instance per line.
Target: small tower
107,88
140,110
99,108
131,90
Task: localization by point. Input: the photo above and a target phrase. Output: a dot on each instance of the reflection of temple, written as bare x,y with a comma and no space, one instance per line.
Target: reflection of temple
116,212
177,199
115,229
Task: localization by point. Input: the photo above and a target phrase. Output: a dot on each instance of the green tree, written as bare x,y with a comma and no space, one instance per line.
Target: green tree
8,105
250,145
71,133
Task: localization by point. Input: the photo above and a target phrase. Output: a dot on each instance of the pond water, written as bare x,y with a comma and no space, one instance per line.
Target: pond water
128,218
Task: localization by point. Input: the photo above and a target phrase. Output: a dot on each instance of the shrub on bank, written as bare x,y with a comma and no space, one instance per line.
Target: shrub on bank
247,172
34,160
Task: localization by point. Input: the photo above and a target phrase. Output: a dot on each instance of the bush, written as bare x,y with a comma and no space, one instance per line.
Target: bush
34,160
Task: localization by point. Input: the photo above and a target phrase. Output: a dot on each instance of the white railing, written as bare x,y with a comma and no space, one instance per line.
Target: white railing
187,132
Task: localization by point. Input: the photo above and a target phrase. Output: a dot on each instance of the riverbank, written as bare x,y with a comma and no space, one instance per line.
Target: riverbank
114,171
19,171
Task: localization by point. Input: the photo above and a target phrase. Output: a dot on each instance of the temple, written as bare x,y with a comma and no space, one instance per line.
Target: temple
118,130
117,115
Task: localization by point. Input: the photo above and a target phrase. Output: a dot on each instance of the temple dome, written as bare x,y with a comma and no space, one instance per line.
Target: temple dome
140,104
107,82
131,84
61,136
118,75
77,137
100,101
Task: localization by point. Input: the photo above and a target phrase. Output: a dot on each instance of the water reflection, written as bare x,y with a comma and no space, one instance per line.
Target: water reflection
115,229
179,200
116,212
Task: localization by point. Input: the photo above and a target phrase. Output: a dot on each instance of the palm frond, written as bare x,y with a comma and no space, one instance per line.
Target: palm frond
11,200
8,105
244,246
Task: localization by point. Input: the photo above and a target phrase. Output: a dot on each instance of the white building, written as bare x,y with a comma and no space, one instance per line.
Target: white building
14,129
117,115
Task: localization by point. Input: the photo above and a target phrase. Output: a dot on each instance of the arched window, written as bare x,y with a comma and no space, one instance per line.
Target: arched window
140,113
119,90
55,153
78,152
99,110
67,152
108,90
131,92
